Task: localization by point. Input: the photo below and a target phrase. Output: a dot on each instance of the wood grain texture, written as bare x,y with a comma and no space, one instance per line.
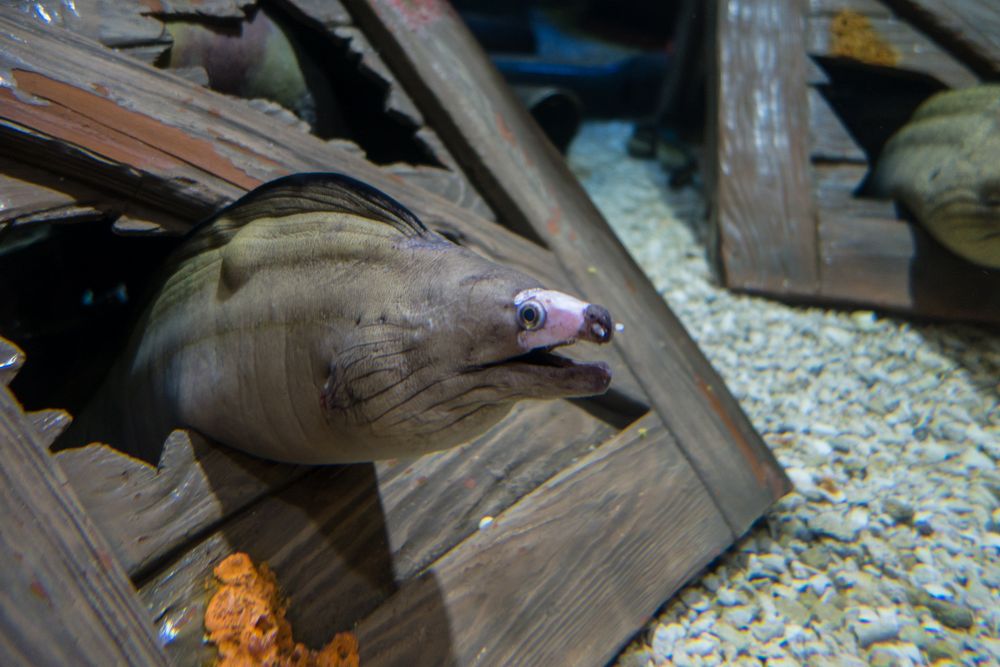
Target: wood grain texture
146,512
31,194
333,19
528,184
968,28
588,540
916,50
64,600
829,140
871,257
342,538
764,210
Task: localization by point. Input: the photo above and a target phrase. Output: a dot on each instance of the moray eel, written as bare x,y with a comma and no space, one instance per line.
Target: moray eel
316,320
944,166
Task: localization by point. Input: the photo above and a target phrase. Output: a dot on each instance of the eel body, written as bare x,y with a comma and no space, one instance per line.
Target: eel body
944,166
316,320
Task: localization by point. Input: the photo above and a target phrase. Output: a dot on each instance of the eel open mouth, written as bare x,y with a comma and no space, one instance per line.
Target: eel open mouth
554,375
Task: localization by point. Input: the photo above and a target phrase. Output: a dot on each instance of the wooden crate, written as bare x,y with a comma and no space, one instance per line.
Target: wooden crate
785,169
602,508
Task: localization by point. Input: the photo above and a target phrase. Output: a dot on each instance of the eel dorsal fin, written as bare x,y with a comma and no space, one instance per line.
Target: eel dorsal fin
316,192
296,194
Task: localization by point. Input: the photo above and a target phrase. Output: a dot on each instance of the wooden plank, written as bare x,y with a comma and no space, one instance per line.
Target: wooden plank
916,51
331,17
830,8
872,258
829,140
64,599
341,538
528,184
968,28
589,540
764,211
146,512
31,194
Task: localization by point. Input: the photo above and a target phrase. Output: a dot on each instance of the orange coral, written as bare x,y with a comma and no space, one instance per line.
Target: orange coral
245,619
853,37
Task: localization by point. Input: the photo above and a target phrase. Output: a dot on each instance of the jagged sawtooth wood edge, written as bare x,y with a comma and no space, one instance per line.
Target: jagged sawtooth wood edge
341,539
65,600
332,18
526,181
33,195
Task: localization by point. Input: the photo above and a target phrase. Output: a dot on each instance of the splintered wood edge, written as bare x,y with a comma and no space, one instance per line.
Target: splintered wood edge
341,538
66,598
588,556
146,511
11,360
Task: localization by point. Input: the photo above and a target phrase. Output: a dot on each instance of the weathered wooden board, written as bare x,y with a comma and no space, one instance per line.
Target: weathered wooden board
331,17
871,257
587,540
64,599
146,512
866,254
342,539
969,28
829,140
760,179
529,186
31,194
916,51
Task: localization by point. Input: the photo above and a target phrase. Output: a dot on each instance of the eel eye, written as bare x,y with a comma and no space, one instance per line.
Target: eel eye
530,315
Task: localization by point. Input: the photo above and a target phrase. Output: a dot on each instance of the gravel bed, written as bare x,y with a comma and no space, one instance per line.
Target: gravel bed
888,552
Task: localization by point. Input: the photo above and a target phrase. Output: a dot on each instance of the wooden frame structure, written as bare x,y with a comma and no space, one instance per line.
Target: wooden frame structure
601,509
785,169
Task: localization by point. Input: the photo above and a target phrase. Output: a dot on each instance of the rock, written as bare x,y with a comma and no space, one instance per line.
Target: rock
766,630
819,584
835,524
700,646
728,597
638,656
942,649
796,612
665,637
898,509
948,613
740,616
874,625
817,556
922,522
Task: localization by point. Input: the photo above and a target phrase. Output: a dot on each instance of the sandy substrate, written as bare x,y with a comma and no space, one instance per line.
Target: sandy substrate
888,553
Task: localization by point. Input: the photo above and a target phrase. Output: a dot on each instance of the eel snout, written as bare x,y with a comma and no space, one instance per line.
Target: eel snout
597,324
561,319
